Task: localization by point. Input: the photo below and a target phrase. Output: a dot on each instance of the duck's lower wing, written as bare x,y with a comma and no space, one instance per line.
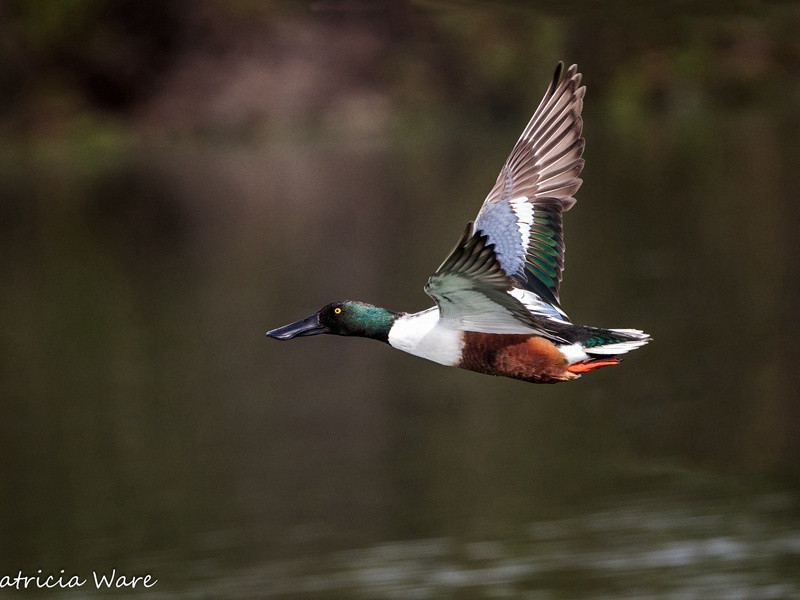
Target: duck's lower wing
474,293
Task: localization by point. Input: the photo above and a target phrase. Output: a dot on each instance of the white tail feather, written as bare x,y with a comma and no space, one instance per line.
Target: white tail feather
621,347
634,332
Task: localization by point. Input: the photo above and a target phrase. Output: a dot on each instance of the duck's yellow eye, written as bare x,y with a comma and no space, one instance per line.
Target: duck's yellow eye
337,310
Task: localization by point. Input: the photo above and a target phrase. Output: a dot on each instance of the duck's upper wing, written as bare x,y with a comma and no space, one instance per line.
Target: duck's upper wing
472,291
522,214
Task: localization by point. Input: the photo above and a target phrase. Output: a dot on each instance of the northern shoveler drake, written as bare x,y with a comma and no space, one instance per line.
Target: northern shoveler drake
497,307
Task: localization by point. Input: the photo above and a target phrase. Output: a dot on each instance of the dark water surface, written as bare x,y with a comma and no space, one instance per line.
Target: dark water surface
150,427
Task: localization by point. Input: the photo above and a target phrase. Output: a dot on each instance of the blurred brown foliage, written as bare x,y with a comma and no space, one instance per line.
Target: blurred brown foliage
231,66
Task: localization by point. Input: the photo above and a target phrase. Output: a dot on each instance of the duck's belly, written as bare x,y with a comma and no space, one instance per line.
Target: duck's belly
530,358
520,356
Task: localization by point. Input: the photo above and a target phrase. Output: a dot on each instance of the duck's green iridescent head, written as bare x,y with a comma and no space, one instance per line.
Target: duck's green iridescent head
348,317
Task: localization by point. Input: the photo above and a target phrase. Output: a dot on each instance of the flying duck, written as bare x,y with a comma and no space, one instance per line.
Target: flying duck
497,306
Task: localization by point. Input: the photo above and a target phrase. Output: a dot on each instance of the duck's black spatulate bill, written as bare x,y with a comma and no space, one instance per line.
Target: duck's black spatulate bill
309,326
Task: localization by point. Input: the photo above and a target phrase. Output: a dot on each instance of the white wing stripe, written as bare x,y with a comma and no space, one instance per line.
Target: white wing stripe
523,210
537,306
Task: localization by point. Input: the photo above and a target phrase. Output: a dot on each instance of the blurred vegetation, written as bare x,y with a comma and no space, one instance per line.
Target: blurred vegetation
199,67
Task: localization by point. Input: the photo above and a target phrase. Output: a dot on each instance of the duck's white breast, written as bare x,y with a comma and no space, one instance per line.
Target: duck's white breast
423,335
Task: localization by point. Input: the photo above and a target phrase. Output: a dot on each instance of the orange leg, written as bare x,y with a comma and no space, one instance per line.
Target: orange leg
594,363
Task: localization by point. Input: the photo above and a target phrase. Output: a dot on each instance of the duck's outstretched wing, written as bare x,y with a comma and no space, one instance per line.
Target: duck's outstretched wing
521,216
473,291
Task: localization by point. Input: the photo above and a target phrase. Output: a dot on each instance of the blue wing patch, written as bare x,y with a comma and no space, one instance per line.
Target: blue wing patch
499,223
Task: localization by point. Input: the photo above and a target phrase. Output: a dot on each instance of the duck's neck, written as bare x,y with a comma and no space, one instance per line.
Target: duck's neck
373,322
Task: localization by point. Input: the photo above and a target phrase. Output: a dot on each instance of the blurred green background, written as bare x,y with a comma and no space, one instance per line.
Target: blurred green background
177,177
